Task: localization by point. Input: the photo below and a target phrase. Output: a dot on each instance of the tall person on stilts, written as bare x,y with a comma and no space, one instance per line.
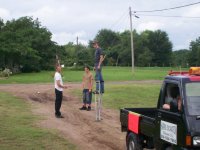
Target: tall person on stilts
99,58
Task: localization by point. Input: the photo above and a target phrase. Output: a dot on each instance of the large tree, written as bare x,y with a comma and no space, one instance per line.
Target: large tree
150,47
143,54
78,54
180,58
26,44
107,38
161,47
195,53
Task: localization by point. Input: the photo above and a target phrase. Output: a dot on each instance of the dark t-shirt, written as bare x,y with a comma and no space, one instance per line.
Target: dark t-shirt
98,53
174,105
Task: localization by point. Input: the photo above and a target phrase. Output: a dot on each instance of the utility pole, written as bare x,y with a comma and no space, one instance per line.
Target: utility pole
132,47
77,40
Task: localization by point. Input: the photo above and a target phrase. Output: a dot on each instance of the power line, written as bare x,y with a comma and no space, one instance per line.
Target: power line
168,8
120,19
166,16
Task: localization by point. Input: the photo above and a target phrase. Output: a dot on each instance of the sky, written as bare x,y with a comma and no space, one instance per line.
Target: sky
69,19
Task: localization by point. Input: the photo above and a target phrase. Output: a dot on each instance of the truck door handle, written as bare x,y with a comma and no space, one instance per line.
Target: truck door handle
159,114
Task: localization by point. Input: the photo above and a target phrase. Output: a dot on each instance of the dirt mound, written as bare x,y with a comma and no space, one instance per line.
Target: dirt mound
41,97
45,97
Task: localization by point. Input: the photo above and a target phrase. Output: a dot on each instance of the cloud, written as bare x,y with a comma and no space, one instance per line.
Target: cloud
67,23
64,37
68,19
4,13
149,26
192,12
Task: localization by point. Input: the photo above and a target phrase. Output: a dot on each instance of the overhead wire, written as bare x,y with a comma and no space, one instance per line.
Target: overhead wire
168,16
119,20
125,15
165,9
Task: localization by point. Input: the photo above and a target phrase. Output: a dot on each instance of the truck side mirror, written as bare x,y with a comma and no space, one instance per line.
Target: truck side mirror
173,106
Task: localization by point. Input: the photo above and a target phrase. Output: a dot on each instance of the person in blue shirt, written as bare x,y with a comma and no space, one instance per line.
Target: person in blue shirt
99,58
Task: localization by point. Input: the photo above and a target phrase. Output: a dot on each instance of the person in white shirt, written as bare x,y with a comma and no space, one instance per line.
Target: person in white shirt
58,91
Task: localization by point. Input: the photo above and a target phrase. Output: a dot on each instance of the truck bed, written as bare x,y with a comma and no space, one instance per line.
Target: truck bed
146,122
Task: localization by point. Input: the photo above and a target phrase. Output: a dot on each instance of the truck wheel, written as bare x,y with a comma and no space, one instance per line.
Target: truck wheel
133,142
169,148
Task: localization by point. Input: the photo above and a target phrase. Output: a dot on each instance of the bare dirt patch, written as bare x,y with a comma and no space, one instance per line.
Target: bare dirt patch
79,127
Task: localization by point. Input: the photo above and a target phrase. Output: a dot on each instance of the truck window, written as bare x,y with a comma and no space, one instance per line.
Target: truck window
193,98
172,95
168,97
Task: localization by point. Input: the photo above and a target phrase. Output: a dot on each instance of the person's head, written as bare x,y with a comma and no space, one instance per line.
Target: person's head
175,92
87,69
58,68
176,95
95,44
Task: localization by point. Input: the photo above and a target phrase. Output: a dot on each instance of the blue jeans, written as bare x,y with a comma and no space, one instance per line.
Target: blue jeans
99,77
87,96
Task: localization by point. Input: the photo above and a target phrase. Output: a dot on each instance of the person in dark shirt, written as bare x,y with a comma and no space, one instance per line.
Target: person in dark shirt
99,57
176,101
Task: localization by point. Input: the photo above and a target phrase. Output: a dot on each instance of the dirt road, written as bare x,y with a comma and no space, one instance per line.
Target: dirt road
79,127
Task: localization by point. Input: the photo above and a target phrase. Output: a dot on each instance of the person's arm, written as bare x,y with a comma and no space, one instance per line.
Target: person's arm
179,103
83,81
91,83
59,85
100,61
166,106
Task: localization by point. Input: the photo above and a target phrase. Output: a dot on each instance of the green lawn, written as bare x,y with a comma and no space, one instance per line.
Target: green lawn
18,130
140,73
129,95
132,95
109,73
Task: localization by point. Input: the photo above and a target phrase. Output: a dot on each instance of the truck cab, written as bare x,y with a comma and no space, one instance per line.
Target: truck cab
174,123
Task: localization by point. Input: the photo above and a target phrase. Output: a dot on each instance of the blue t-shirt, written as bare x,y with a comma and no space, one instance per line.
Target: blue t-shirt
98,53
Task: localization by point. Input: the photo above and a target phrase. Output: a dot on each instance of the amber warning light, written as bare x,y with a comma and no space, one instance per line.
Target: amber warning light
194,71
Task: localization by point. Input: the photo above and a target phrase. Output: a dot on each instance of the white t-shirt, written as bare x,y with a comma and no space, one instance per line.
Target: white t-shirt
57,77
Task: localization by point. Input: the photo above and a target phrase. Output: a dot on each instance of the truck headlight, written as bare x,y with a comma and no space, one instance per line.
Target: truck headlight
196,141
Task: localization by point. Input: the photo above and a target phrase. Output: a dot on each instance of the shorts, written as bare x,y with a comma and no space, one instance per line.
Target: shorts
87,96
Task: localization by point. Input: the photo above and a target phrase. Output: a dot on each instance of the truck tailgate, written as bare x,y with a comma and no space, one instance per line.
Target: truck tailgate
146,121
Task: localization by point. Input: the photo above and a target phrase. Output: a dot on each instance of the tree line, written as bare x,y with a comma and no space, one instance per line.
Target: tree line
25,45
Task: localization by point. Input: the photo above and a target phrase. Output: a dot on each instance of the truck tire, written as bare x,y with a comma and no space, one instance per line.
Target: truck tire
133,142
169,148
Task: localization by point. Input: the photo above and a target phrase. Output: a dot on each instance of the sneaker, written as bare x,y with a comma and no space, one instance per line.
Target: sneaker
59,116
95,92
89,108
83,108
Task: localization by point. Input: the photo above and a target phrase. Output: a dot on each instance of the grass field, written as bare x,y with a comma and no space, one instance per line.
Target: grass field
17,124
109,73
19,132
133,95
130,95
